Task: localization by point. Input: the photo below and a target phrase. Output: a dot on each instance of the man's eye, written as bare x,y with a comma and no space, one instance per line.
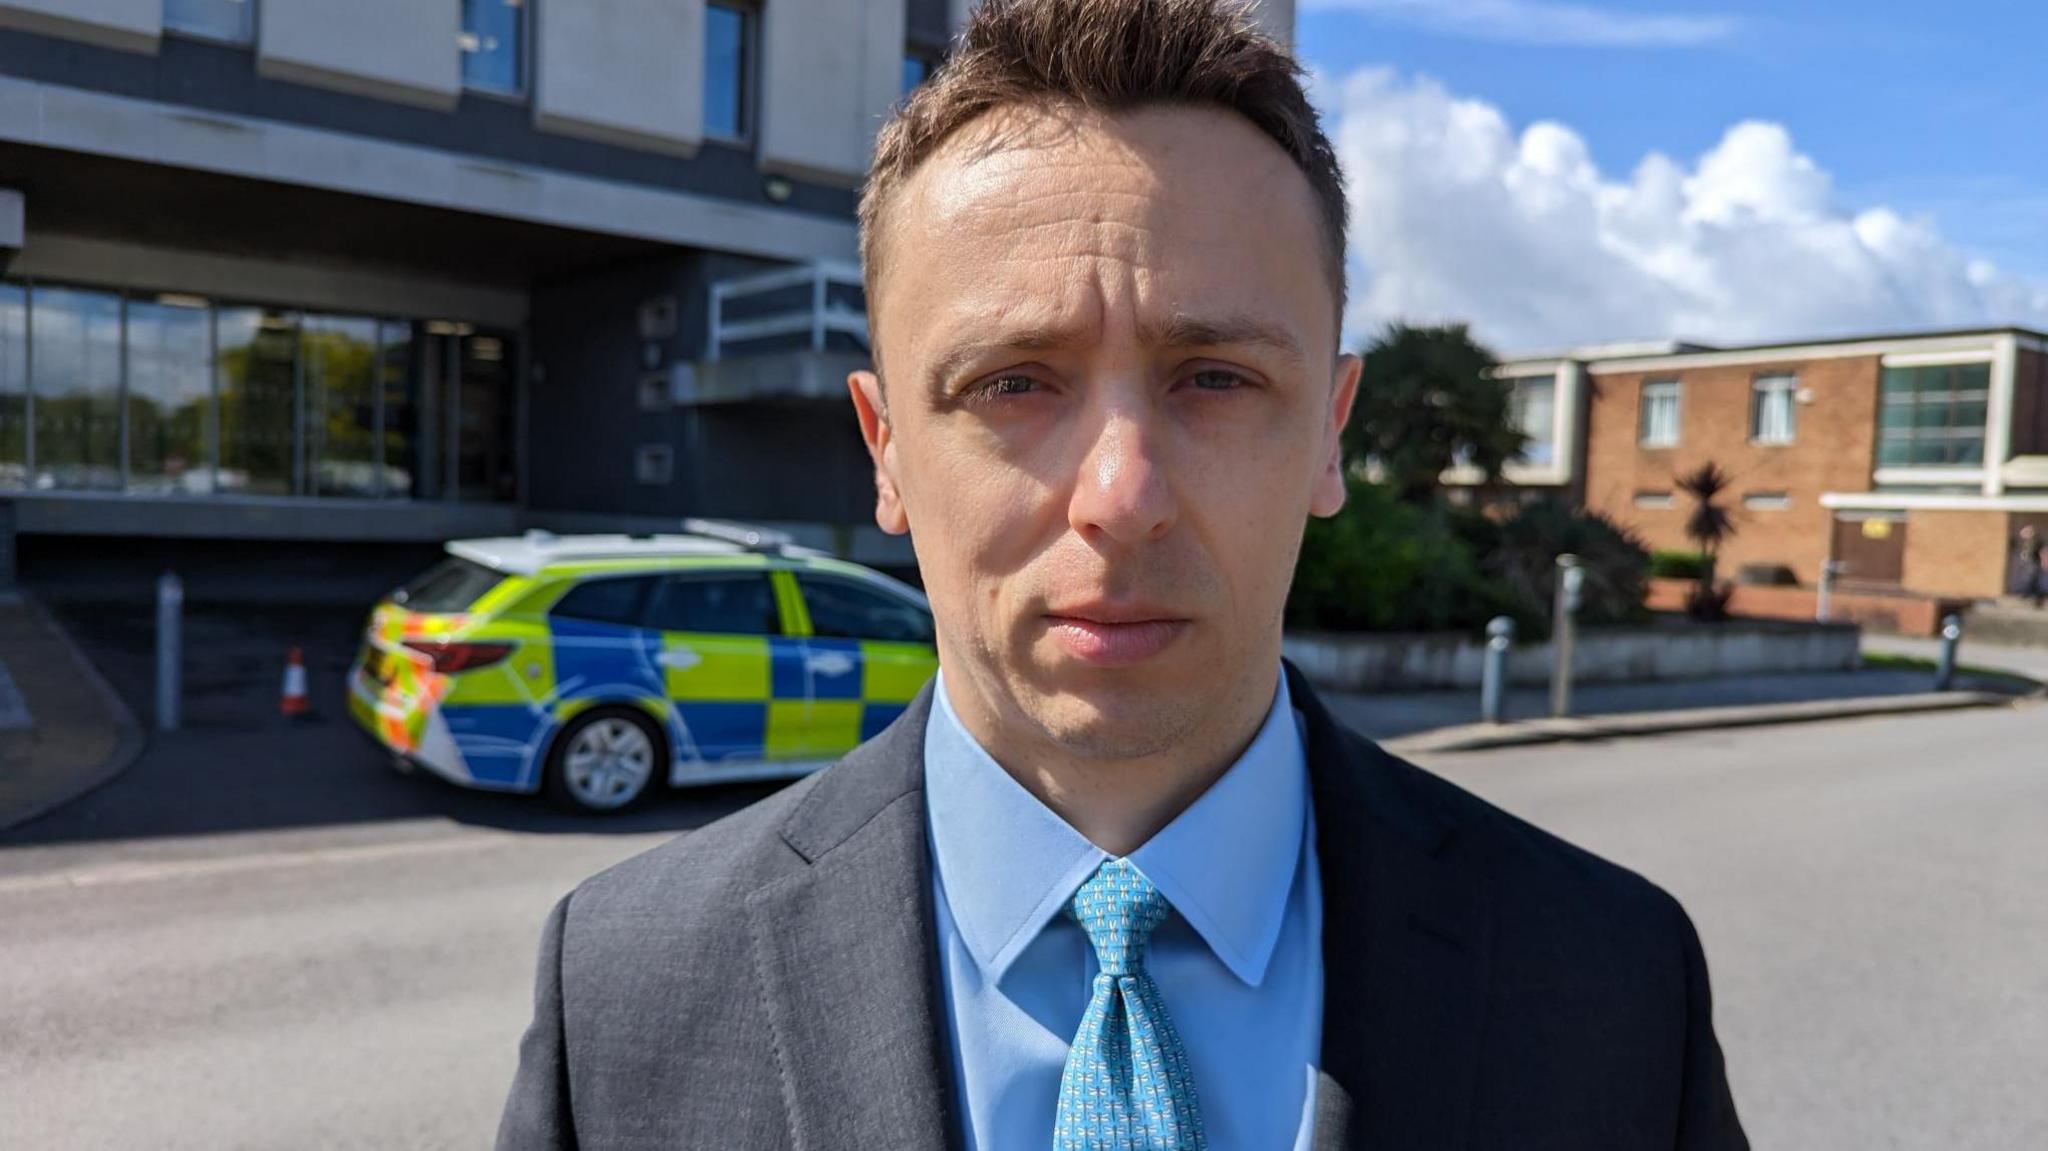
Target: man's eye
1216,380
1006,386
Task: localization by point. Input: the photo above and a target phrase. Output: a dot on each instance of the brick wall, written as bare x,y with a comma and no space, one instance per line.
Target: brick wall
1956,553
1832,451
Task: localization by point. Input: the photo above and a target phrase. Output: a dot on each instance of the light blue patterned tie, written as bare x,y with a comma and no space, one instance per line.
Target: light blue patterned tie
1127,1085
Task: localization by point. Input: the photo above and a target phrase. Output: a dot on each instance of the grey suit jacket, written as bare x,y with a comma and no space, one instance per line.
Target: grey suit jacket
770,981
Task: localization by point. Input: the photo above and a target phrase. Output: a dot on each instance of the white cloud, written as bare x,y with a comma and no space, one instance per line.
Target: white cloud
1540,22
1457,216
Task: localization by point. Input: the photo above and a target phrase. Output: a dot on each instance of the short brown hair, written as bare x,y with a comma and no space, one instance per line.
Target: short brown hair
1111,55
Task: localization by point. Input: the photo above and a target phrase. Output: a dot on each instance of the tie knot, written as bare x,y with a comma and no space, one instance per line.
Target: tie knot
1118,908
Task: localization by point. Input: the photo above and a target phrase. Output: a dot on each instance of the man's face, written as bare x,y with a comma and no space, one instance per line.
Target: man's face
1111,400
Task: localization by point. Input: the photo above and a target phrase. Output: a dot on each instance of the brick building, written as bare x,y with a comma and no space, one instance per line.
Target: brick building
1912,459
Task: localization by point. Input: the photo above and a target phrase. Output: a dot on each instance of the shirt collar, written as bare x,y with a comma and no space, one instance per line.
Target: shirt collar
1007,864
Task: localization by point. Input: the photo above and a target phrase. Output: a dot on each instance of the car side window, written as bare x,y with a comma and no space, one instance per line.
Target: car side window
723,605
621,601
842,609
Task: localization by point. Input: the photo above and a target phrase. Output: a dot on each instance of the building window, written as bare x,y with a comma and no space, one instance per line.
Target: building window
1532,406
1933,415
13,387
1654,500
1660,414
75,381
918,67
1772,408
1767,501
728,70
229,21
493,45
341,406
171,394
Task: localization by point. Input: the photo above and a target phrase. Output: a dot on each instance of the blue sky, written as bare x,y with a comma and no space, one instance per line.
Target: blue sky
1937,112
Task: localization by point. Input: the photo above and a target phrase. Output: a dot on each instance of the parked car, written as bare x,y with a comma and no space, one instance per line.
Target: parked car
588,667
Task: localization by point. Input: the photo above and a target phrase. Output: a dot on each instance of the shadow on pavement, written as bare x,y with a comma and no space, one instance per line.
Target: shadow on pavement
238,765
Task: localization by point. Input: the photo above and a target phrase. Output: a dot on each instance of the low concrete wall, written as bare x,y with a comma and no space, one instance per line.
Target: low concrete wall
1668,649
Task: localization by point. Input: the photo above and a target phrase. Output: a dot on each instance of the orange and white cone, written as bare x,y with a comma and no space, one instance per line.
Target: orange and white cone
292,702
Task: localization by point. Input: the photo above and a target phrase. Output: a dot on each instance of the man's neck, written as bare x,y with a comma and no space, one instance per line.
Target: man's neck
1119,804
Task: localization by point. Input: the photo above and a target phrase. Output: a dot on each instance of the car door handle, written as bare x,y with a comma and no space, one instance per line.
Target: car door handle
831,663
678,658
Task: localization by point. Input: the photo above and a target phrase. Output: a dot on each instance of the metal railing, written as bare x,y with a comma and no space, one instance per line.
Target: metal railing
816,320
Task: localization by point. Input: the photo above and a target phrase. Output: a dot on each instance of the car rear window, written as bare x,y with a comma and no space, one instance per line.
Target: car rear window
451,585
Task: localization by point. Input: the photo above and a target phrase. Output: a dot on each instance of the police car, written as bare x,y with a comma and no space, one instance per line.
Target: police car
587,667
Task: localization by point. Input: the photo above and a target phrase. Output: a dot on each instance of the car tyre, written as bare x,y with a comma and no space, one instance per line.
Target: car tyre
605,761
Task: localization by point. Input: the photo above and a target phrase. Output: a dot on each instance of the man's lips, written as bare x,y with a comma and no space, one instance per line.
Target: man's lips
1122,639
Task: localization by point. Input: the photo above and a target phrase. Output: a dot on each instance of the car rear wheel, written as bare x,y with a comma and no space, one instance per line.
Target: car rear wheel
604,760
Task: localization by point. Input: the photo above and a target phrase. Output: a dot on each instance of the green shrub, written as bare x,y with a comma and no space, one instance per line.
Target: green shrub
1521,560
1382,565
1674,563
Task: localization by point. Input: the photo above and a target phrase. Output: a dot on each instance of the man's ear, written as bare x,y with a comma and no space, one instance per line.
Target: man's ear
1328,498
866,388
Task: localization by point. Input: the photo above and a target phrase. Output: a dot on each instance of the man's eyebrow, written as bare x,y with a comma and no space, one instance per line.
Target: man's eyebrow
956,358
1185,331
1178,331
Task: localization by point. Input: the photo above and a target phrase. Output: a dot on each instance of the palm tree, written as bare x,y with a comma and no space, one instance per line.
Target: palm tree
1709,526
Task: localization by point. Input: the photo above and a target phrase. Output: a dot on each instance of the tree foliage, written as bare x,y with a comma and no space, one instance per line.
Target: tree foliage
1427,400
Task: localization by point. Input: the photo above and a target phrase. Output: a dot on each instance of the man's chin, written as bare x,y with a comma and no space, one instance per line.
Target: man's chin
1115,717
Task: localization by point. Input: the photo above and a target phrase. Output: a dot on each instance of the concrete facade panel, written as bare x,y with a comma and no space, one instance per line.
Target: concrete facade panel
1832,452
401,50
131,129
129,25
830,71
623,71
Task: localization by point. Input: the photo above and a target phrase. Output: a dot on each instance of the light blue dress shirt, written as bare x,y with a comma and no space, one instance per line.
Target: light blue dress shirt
1239,963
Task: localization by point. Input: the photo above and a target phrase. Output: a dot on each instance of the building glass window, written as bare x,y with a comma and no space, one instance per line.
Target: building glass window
493,45
75,377
170,397
917,68
1660,414
486,420
249,400
340,391
13,387
399,384
1533,407
229,21
1772,409
728,64
257,371
1933,415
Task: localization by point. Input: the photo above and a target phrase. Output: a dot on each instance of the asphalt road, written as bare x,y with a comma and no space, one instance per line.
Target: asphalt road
264,938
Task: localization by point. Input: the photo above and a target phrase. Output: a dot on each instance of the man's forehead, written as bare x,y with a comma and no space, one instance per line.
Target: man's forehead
1048,151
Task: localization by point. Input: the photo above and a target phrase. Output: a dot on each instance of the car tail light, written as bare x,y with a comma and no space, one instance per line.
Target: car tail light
450,658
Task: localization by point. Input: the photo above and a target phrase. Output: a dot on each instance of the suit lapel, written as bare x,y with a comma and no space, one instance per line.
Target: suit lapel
1406,936
846,960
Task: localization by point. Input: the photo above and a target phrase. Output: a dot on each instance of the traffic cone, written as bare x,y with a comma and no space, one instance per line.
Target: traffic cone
292,703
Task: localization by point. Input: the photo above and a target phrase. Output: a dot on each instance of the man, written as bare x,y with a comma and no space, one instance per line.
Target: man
1116,880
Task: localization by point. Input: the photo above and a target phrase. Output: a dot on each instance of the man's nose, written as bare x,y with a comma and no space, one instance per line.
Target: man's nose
1125,490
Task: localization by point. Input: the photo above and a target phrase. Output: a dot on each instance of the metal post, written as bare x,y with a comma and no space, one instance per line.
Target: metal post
1563,631
1829,569
1951,636
170,607
1500,636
